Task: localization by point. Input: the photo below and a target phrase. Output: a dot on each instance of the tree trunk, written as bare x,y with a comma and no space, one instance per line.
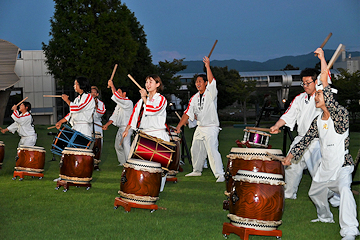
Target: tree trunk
4,97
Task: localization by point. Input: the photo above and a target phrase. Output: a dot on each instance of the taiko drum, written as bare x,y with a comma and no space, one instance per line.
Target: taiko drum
76,165
140,181
30,159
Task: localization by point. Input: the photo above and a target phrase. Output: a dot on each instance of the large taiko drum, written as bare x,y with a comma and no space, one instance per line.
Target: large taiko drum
97,149
2,153
146,147
140,181
76,165
251,159
30,159
256,138
257,193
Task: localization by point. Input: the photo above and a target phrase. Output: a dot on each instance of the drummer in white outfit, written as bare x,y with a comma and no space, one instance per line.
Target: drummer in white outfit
153,118
203,108
301,111
23,124
120,119
81,110
100,111
336,164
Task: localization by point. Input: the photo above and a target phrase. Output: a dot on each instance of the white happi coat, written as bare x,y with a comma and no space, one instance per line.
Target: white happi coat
205,139
23,125
81,113
120,118
302,112
100,111
154,117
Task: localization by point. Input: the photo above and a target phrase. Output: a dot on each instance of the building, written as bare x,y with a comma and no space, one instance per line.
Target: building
352,64
34,83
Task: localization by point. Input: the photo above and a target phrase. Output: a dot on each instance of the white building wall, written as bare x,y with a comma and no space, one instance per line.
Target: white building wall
35,82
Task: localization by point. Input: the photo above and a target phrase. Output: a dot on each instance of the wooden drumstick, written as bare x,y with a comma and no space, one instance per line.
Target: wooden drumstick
113,73
260,129
335,56
212,49
281,159
325,41
51,127
22,101
52,96
132,79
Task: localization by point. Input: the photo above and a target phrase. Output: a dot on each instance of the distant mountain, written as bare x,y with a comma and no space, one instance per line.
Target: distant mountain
301,61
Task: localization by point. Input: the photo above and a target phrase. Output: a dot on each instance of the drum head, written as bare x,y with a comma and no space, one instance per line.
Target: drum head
143,163
78,151
31,148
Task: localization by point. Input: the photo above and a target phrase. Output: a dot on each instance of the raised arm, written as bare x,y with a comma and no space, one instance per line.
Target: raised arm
209,74
324,70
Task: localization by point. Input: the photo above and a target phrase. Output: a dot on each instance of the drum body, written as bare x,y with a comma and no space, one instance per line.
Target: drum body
67,137
31,159
146,147
175,163
257,191
2,153
76,165
251,159
97,148
256,138
140,181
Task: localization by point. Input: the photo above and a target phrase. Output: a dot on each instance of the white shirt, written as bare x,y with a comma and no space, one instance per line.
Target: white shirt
205,108
154,115
99,112
123,110
22,124
81,110
302,112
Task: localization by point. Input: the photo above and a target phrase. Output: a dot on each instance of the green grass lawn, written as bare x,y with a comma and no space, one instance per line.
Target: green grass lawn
33,209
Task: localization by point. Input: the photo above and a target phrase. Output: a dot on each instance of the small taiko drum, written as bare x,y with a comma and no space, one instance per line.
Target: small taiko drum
30,159
146,147
2,153
257,195
97,149
256,138
140,181
251,159
76,165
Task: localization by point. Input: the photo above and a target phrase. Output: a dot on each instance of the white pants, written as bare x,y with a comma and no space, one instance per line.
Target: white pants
29,141
294,172
347,210
205,142
122,151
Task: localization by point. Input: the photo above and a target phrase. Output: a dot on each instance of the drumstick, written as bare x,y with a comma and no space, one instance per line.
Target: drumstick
51,127
177,115
113,73
132,79
276,157
335,56
212,49
324,42
52,96
260,129
98,125
22,101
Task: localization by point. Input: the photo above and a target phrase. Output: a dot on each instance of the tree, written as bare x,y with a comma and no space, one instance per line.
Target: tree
290,67
241,89
89,37
348,86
